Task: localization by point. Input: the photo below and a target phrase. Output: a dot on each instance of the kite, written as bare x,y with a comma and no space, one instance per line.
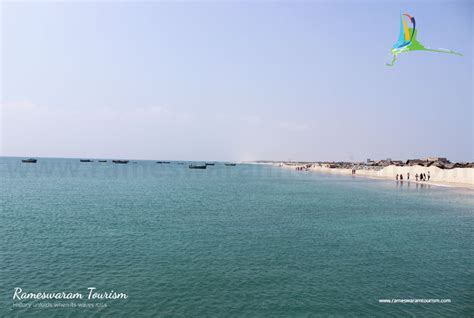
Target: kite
407,40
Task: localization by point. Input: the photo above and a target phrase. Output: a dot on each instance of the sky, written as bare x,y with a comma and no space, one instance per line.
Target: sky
236,80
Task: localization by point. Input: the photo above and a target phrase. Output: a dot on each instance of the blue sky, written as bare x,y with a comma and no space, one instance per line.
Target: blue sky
234,80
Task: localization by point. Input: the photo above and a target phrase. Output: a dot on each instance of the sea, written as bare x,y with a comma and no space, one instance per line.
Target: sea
249,240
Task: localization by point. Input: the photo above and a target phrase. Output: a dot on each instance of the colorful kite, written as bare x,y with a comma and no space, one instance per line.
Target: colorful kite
407,40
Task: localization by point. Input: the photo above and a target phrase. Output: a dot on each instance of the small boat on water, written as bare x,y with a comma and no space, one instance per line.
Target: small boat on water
102,160
166,162
120,161
230,164
210,163
197,166
31,160
86,160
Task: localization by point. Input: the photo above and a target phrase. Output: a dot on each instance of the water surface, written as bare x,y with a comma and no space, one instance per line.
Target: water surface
249,240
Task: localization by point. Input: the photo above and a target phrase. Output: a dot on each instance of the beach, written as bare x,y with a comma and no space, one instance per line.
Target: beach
457,177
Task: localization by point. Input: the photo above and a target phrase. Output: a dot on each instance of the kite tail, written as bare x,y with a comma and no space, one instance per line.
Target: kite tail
442,51
393,60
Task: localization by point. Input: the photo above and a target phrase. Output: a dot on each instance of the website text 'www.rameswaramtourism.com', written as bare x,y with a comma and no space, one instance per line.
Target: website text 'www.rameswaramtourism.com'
414,301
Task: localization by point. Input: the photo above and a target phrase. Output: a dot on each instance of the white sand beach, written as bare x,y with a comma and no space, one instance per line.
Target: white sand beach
457,177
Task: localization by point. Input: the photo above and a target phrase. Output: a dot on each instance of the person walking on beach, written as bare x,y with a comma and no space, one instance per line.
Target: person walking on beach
401,177
416,177
429,176
408,175
396,177
424,176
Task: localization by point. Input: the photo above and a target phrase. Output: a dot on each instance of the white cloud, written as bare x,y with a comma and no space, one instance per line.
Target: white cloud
28,128
152,132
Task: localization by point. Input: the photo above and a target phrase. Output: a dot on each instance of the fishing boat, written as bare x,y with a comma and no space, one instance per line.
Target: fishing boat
102,160
210,163
86,160
31,160
197,166
120,161
230,164
163,162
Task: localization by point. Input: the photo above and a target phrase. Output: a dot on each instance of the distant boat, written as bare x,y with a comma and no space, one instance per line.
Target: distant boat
197,166
102,160
230,164
86,160
163,162
210,163
31,160
120,161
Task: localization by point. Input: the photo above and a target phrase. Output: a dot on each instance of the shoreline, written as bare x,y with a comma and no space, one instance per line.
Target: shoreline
452,178
428,183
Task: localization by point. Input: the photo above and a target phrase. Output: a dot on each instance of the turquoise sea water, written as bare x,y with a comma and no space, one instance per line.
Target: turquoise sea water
246,241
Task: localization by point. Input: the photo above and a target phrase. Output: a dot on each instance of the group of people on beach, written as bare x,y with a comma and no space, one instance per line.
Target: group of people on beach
421,176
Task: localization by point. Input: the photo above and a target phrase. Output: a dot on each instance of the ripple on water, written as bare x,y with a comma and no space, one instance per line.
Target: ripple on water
254,242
